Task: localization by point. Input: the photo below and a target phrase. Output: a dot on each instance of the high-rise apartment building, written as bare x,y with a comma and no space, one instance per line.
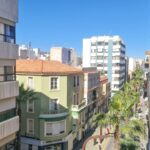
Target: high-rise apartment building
107,53
9,121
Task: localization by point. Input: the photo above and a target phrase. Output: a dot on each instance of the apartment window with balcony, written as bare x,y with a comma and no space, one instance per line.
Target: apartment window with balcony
30,82
7,73
55,128
7,33
30,106
54,83
30,126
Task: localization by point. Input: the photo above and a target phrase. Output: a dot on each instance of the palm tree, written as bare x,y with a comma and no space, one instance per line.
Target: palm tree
101,119
25,94
120,110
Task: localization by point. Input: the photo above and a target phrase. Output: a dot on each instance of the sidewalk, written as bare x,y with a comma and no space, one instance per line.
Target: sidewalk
107,143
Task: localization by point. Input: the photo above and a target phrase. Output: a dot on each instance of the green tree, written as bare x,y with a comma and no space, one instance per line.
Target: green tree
102,121
135,129
120,110
25,94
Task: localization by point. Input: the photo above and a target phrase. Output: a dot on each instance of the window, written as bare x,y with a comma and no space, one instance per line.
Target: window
48,128
30,82
69,56
76,81
9,34
74,99
146,66
93,44
53,105
54,83
30,147
30,106
7,73
55,128
30,126
77,101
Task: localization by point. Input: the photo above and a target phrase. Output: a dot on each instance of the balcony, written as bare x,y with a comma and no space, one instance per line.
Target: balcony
9,127
54,114
8,50
78,108
8,89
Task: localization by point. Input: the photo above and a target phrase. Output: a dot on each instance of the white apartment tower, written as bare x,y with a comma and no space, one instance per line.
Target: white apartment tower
9,121
107,53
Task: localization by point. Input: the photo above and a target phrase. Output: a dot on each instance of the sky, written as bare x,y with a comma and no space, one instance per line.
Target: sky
47,23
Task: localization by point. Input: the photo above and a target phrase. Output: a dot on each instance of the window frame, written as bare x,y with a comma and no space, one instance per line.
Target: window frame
58,104
32,82
45,123
28,119
28,106
58,83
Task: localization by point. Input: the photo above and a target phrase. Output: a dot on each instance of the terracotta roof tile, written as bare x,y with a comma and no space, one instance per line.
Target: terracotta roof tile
44,67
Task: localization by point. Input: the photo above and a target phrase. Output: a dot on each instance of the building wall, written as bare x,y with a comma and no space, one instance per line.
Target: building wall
64,94
91,95
64,55
9,10
56,54
86,53
9,121
108,55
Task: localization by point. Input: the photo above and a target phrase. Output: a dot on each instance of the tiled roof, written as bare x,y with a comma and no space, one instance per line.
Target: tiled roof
44,67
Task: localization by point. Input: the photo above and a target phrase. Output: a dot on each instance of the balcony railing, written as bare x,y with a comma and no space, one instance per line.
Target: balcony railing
7,115
8,50
57,111
9,127
79,107
8,89
7,38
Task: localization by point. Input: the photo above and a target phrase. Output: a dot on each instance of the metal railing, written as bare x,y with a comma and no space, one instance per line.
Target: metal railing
7,38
